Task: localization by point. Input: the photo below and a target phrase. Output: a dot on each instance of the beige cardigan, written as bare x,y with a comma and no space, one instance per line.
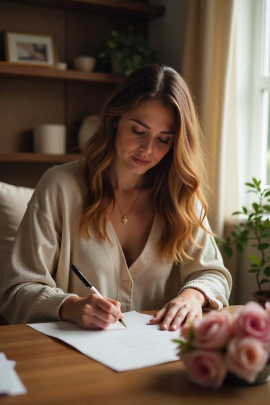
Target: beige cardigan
38,278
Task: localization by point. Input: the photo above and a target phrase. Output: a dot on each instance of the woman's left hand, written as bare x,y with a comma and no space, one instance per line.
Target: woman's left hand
184,308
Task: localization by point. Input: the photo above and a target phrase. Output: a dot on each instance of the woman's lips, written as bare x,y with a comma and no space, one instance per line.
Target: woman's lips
140,162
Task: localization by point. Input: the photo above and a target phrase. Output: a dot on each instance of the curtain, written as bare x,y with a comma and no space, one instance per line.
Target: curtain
209,66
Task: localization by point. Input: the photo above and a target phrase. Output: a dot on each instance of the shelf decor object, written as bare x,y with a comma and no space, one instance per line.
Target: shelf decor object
30,49
84,63
50,139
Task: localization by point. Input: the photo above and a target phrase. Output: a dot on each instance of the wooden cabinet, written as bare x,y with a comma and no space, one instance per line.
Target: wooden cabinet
32,95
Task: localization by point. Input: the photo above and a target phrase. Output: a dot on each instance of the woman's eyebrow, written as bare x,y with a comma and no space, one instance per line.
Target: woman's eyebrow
147,127
140,123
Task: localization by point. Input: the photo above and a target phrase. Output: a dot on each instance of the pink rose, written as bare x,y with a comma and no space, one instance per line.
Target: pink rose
213,331
267,310
267,307
205,368
245,357
252,320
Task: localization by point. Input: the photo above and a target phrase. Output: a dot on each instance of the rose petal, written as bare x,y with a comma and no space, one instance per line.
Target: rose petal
205,368
252,320
213,331
245,357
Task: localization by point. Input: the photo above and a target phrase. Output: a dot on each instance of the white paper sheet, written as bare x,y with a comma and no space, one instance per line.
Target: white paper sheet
140,345
10,383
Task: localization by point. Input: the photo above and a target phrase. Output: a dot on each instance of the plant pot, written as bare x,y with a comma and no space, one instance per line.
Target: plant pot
262,296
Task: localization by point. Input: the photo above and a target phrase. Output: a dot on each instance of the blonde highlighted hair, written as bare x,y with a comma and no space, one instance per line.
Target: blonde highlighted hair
177,180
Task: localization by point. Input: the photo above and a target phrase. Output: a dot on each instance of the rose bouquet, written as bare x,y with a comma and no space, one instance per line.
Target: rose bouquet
222,344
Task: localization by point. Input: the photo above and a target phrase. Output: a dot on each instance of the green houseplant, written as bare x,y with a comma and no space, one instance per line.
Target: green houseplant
254,229
127,52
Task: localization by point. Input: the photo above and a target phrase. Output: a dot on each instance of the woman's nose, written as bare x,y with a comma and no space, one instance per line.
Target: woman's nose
146,145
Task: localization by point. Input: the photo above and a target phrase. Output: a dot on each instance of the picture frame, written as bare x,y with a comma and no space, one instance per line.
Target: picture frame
34,49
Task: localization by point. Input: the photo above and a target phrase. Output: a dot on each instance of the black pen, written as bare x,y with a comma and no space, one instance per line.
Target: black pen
89,285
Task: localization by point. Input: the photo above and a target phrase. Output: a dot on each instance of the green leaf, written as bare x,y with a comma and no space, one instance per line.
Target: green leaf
219,241
265,235
181,341
190,335
250,185
239,248
257,183
267,207
237,213
264,281
244,210
267,193
254,259
263,246
255,206
245,233
253,270
267,271
258,220
228,251
252,191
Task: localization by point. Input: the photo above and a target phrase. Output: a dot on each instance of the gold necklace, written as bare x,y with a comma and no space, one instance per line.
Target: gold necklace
124,216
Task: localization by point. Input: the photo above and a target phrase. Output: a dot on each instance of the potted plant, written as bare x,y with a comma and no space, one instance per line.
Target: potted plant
127,52
254,228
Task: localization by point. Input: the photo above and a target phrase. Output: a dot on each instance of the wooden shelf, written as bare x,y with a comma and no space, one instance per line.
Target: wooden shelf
52,73
37,157
134,9
36,94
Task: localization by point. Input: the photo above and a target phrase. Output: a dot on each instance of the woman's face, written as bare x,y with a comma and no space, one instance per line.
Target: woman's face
144,136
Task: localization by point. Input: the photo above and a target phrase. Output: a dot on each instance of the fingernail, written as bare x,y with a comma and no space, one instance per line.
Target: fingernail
174,327
165,326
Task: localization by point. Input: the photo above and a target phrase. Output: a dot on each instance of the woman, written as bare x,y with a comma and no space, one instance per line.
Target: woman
131,216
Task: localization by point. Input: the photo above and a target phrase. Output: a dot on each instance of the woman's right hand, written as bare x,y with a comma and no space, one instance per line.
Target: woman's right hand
93,312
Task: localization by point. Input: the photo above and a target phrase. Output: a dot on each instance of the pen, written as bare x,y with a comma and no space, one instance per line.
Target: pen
89,285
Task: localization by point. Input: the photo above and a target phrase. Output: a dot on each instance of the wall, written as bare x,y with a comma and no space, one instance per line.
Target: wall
166,34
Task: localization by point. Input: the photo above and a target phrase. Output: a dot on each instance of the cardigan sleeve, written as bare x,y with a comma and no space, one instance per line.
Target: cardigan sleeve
205,270
29,292
35,281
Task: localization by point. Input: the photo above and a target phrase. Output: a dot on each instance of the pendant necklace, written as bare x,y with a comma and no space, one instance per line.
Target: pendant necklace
124,216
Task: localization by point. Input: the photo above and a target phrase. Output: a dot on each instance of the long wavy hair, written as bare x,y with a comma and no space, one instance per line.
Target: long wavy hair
177,179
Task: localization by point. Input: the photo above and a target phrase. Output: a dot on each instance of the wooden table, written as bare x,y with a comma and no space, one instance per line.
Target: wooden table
57,374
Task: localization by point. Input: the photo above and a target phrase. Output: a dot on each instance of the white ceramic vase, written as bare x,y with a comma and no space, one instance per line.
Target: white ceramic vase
88,128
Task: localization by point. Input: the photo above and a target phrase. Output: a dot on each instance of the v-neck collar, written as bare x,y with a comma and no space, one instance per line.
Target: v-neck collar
145,257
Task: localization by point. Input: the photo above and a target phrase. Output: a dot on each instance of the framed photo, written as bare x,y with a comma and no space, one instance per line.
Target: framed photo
30,48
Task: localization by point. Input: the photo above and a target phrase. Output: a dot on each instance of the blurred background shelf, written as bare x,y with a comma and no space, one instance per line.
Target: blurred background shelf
38,157
31,71
32,95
